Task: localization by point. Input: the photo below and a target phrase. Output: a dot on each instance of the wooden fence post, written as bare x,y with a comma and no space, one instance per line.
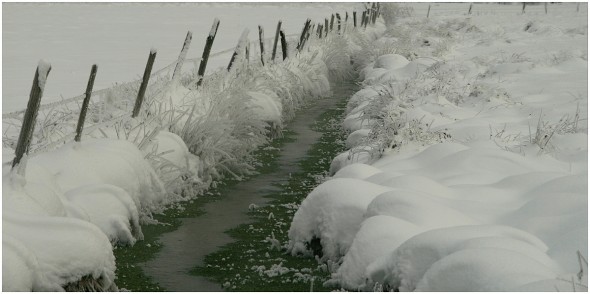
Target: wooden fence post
261,38
319,31
354,18
207,51
144,83
284,44
332,23
303,38
428,13
326,26
545,7
241,44
363,18
274,47
85,103
182,56
339,21
523,7
470,7
30,117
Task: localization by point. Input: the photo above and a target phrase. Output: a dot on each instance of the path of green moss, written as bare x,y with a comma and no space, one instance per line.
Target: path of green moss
249,264
254,262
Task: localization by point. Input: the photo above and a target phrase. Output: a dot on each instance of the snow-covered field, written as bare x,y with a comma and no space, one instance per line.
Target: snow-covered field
468,160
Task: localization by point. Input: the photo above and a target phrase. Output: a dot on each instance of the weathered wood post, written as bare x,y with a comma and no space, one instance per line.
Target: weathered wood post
470,7
332,23
261,39
428,13
303,38
30,117
374,13
339,22
182,56
284,44
319,31
146,77
241,46
326,26
274,47
366,19
523,7
363,18
88,93
207,51
545,7
354,18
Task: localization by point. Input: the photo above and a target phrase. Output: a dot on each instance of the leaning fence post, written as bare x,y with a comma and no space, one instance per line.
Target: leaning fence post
30,117
144,83
470,7
523,7
274,47
88,93
182,56
207,51
241,44
302,38
283,44
261,38
354,18
428,13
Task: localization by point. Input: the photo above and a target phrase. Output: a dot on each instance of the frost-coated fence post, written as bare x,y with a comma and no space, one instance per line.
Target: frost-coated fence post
303,38
319,31
363,18
326,26
339,22
545,7
261,38
470,6
82,117
274,47
428,13
283,44
207,51
523,7
354,18
28,127
241,45
182,56
144,83
373,13
332,23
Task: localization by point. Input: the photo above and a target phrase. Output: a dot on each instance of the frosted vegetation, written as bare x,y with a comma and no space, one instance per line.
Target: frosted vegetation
66,205
467,168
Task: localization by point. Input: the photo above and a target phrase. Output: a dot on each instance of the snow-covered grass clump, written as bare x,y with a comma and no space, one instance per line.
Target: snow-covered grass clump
467,168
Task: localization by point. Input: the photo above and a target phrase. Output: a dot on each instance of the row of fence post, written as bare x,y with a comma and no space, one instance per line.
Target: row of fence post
30,116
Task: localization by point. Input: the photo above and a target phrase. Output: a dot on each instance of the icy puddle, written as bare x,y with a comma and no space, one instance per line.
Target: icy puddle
186,247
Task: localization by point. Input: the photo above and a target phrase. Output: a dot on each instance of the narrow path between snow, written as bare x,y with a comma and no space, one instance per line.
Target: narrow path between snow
197,237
